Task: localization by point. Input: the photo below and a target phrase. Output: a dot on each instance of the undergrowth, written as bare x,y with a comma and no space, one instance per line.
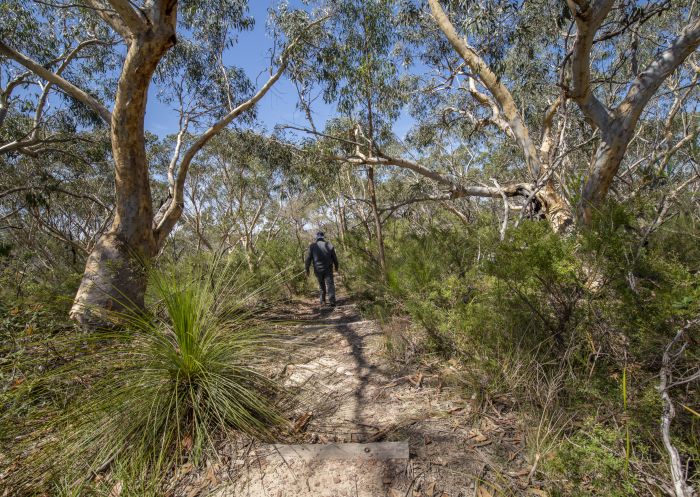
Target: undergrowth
567,331
141,396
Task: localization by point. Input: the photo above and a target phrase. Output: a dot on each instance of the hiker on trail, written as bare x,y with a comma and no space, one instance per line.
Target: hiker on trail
322,253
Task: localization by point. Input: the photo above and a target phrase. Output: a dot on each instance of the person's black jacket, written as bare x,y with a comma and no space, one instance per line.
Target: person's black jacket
322,254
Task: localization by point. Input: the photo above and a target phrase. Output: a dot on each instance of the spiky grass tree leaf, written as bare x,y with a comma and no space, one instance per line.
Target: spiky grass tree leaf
147,394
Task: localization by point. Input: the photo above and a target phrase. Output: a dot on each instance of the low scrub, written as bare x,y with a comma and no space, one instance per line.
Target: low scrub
561,327
153,390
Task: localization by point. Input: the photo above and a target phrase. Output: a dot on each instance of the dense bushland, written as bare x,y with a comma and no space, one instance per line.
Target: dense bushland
567,331
517,181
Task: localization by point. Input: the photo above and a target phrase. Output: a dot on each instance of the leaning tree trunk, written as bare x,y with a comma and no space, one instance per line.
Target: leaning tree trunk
617,125
377,220
115,277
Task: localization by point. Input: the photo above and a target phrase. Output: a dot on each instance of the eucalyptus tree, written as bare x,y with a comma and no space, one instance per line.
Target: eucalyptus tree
618,117
53,186
53,209
613,103
399,32
495,76
35,116
147,32
240,185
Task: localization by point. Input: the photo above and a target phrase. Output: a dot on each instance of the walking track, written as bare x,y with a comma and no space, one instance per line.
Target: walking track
353,401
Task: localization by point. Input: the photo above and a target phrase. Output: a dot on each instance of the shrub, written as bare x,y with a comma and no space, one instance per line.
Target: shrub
145,395
589,463
586,313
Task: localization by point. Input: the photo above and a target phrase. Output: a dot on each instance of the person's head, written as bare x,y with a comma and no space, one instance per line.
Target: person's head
319,235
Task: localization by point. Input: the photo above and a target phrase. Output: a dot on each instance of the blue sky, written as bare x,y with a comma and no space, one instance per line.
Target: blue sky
278,107
252,54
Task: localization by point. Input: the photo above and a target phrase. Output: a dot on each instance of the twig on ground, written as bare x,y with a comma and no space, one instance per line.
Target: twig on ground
671,353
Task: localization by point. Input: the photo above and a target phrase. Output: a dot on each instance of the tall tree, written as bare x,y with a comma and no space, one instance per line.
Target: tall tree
114,274
616,123
360,71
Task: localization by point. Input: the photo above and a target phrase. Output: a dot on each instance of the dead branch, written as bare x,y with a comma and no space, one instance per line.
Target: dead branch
674,349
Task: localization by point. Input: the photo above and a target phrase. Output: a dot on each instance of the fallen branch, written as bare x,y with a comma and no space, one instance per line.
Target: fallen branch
671,353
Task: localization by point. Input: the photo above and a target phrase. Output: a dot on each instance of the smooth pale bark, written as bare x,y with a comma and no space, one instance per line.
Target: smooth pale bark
33,143
57,80
492,83
455,190
170,213
114,273
7,92
114,276
505,115
616,125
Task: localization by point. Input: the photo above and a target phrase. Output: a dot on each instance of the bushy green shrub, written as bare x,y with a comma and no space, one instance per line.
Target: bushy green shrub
591,463
156,388
579,312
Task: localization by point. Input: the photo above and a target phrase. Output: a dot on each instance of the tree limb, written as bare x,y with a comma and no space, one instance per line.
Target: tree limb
174,208
132,18
65,85
493,83
588,18
648,81
110,17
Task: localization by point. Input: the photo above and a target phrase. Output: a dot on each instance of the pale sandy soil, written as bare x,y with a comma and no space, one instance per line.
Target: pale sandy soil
352,392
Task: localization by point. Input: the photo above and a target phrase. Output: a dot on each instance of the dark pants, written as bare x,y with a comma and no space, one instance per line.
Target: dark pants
325,281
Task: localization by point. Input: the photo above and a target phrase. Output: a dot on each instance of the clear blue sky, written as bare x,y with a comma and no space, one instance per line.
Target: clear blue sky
252,54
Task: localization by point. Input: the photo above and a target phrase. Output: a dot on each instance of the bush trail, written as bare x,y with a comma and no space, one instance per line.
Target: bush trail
353,393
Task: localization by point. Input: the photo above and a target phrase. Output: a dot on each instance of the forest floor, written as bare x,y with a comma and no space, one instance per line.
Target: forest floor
352,392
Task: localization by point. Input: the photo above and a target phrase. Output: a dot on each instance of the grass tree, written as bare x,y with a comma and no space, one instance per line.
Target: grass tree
184,373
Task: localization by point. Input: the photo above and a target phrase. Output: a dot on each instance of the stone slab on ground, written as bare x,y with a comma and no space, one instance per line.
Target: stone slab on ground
322,470
347,451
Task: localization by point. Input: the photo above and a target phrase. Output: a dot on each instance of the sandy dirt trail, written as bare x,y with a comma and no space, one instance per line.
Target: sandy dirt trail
353,401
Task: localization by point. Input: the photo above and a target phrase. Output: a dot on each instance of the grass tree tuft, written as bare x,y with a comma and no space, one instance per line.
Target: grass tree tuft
143,396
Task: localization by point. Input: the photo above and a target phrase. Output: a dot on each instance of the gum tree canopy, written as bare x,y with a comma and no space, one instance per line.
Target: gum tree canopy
599,29
105,53
552,106
537,103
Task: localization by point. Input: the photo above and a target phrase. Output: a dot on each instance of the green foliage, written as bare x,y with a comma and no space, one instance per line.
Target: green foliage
153,391
558,325
277,270
591,462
